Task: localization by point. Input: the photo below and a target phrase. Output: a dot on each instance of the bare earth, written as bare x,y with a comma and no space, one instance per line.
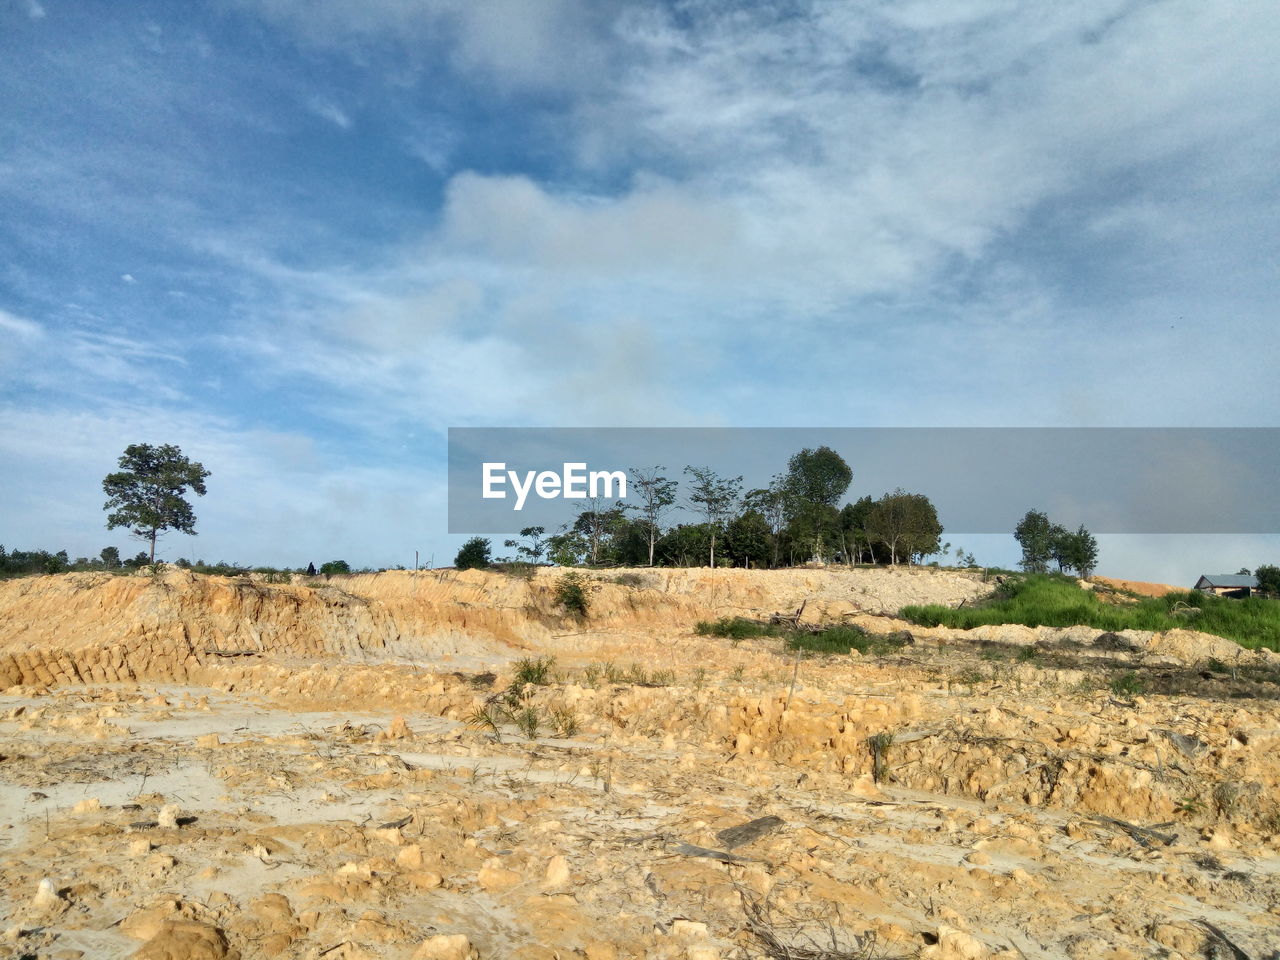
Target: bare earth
210,768
1140,587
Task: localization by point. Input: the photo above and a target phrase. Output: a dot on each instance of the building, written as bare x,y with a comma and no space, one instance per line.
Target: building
1227,584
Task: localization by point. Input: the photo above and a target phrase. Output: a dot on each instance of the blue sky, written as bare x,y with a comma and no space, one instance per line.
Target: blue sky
301,239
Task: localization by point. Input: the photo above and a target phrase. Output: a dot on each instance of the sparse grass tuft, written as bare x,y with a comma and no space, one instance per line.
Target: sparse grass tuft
1127,684
535,671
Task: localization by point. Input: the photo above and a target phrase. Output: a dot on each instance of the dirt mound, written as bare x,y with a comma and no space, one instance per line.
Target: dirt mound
1140,587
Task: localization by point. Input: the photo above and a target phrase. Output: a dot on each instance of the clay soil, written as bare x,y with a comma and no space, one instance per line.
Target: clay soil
206,768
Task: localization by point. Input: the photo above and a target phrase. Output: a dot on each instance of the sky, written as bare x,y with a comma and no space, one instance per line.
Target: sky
303,238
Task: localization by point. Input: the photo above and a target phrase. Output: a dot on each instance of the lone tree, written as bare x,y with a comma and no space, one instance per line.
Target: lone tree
906,523
715,497
1035,534
146,494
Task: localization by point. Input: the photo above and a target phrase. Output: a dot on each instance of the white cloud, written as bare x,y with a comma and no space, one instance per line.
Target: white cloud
20,326
35,10
330,111
128,278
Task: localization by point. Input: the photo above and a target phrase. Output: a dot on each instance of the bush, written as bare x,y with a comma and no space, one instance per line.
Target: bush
842,639
1127,684
571,592
534,670
335,566
734,628
474,554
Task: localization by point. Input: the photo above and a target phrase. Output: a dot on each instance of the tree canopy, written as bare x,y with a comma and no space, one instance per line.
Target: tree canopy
146,495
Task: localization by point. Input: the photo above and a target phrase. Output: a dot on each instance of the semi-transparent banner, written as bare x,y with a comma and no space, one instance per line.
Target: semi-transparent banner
981,480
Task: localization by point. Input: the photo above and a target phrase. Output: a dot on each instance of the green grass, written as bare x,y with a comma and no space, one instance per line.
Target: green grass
1056,601
844,639
734,628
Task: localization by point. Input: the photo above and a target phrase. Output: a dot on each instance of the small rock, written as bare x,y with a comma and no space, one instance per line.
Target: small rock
186,940
168,818
47,897
689,929
557,876
444,946
494,878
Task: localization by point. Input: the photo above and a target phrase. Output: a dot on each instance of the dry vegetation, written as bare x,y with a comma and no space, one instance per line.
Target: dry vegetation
445,766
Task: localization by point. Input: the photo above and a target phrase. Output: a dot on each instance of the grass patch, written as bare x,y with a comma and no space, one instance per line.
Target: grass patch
734,628
1055,601
844,638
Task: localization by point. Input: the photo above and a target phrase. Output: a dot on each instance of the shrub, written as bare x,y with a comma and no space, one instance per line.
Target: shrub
634,580
335,566
474,554
534,670
842,639
571,592
734,628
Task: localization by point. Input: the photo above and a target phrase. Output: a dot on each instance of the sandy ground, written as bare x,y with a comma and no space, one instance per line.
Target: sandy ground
1141,587
1033,794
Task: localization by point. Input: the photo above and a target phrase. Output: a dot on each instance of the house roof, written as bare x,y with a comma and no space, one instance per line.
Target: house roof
1228,580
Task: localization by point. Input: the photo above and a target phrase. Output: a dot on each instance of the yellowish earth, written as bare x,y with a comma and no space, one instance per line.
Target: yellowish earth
199,767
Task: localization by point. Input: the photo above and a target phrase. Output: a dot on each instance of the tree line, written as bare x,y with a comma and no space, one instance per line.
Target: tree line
795,519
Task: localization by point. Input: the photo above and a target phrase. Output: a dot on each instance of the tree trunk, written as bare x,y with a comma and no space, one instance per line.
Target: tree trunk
153,547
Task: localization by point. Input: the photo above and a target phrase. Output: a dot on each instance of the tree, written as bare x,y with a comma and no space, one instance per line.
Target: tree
906,523
1035,533
311,569
814,482
746,539
818,476
596,522
715,497
1268,577
335,566
1061,543
110,557
534,549
771,503
474,554
146,494
656,494
1082,552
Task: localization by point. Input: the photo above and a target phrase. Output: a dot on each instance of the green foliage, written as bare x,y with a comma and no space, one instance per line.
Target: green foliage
1051,600
146,495
533,550
272,575
715,497
565,722
335,566
534,670
474,555
818,476
571,592
906,523
842,639
655,494
1268,579
1035,534
734,628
